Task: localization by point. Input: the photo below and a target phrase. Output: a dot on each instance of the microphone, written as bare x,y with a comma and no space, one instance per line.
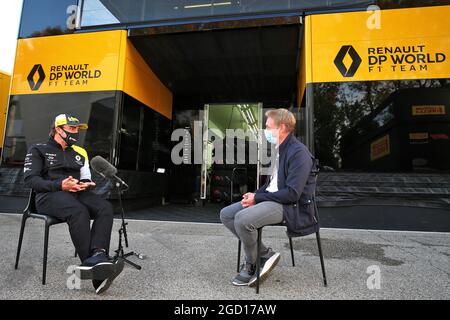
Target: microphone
106,169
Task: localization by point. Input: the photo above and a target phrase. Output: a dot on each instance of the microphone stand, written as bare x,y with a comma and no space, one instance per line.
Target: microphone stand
123,230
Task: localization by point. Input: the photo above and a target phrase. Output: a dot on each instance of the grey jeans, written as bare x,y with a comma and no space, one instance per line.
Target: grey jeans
244,222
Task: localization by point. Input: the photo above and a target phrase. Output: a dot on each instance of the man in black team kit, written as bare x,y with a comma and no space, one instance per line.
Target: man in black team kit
58,171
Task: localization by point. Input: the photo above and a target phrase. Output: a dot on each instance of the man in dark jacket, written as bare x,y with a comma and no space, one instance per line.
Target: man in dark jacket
286,197
58,171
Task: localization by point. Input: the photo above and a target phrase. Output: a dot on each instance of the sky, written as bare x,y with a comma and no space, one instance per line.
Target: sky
9,29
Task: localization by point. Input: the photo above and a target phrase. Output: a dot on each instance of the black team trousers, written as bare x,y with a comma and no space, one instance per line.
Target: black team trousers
77,209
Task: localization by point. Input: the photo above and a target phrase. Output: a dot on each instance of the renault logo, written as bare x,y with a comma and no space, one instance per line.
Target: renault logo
39,71
339,61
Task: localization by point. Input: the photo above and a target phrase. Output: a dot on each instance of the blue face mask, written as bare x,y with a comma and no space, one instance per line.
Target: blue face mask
270,137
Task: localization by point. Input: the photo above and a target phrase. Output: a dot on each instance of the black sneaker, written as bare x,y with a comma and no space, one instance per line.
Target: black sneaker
105,284
245,275
268,262
96,267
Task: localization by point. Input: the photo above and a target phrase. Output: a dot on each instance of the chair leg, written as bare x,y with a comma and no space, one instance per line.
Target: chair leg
44,263
292,252
319,245
19,246
239,256
75,254
258,259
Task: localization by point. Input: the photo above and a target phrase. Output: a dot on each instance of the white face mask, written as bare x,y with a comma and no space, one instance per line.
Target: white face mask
270,137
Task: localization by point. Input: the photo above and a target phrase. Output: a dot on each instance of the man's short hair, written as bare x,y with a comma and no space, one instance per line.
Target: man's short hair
282,116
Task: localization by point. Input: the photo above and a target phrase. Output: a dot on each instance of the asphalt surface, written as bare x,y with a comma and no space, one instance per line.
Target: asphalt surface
197,261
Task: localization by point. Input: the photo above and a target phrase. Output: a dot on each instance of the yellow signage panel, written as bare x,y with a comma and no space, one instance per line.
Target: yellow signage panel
380,148
141,83
69,63
97,61
409,43
418,136
428,110
5,80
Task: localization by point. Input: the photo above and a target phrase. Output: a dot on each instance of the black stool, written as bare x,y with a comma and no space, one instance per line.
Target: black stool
30,212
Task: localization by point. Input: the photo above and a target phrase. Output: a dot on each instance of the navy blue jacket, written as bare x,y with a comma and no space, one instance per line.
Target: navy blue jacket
296,187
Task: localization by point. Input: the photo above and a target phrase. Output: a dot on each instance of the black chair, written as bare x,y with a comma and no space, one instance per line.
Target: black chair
258,258
319,245
31,212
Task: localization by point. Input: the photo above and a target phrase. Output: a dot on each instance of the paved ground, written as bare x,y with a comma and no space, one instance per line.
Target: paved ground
197,261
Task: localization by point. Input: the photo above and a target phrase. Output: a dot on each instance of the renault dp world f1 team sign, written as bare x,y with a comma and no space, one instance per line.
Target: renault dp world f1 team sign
67,63
62,75
403,44
403,58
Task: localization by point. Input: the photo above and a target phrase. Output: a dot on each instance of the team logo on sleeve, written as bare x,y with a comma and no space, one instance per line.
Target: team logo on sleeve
78,160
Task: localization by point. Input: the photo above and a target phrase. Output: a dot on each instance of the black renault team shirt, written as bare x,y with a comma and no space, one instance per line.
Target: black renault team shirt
47,165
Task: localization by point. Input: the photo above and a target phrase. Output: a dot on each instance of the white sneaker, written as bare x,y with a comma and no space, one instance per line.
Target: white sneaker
267,264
